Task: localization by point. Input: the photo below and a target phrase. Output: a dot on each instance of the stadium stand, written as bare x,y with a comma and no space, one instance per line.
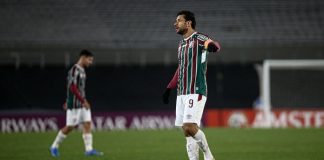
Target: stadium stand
147,24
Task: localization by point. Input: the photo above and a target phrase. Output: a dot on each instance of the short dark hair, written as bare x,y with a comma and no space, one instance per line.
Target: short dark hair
188,16
86,53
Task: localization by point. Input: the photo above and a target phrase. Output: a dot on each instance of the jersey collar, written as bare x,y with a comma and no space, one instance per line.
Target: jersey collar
80,67
190,36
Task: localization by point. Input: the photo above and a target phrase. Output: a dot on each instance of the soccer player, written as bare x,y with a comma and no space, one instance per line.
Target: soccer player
77,107
190,80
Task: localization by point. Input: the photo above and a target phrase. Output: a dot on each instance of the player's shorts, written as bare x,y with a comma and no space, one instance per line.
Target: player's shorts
189,109
77,115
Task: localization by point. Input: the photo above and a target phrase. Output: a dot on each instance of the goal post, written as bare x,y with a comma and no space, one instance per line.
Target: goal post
269,65
264,72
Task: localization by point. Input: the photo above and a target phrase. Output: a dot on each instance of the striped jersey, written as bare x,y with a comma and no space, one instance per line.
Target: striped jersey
76,80
192,68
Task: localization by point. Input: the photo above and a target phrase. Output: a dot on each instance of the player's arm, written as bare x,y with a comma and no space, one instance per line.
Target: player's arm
77,93
65,106
172,84
212,46
74,89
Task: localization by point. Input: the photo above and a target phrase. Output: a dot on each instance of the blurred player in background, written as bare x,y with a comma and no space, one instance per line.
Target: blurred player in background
190,80
77,107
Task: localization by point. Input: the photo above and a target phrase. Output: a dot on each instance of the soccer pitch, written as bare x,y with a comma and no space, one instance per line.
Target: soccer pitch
226,144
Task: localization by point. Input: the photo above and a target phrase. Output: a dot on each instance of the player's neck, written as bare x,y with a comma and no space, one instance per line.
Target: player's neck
189,33
80,64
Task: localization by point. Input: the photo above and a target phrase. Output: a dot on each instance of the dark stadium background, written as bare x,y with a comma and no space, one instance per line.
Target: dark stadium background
135,48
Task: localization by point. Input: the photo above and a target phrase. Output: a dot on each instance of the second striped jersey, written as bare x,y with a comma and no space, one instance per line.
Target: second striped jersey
76,80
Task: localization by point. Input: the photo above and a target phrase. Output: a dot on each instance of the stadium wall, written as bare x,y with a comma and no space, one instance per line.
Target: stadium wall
43,122
123,88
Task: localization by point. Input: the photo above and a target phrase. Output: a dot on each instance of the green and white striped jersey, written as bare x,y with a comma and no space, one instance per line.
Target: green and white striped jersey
76,80
192,67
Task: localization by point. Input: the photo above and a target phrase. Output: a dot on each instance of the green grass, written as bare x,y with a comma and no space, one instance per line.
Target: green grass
226,144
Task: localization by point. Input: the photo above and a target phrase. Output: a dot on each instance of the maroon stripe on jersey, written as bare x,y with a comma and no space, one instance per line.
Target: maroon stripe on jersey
74,97
185,68
199,97
194,67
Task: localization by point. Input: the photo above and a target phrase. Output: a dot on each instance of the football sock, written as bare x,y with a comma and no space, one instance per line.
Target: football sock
203,145
87,139
59,139
192,149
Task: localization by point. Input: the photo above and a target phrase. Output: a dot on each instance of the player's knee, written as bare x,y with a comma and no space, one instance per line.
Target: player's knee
87,127
189,130
70,128
87,124
185,131
67,129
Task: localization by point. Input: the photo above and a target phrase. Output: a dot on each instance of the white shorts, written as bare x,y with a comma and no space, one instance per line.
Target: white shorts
77,115
189,109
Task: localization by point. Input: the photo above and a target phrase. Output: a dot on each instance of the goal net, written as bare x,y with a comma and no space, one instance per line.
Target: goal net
290,84
293,83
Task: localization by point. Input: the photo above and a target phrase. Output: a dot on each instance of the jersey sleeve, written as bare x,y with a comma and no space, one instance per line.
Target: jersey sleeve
208,40
173,83
213,42
202,37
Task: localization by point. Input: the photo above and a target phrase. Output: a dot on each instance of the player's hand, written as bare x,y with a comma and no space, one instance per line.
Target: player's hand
211,46
166,96
86,104
65,106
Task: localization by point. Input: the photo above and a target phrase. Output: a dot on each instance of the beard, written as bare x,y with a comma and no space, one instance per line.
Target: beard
182,31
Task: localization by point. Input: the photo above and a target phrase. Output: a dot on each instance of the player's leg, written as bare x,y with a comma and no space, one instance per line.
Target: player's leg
70,124
192,116
191,145
87,134
192,148
61,135
200,139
